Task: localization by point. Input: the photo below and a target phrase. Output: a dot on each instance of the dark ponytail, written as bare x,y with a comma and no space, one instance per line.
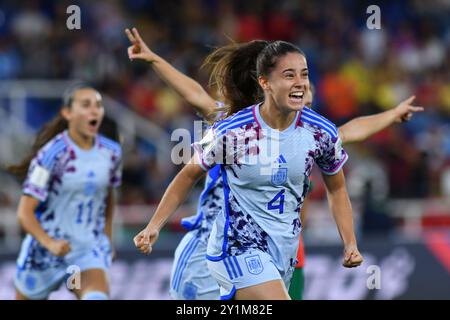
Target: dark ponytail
57,125
235,69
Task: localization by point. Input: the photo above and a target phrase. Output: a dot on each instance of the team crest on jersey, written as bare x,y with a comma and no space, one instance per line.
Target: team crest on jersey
190,291
279,176
90,187
254,264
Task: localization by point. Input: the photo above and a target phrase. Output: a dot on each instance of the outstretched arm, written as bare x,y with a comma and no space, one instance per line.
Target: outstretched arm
361,128
342,212
175,195
187,87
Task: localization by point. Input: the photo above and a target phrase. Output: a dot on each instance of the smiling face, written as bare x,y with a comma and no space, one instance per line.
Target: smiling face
287,84
85,113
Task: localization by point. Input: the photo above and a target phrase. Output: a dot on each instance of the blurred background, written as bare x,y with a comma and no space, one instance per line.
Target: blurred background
399,179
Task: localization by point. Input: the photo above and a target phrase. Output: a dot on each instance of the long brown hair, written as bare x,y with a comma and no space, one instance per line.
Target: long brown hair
52,128
235,69
46,133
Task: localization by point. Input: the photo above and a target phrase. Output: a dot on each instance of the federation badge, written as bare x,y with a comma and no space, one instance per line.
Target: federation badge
279,176
254,264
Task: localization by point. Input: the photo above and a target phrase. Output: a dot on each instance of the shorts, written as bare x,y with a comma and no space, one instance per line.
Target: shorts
39,272
190,277
248,269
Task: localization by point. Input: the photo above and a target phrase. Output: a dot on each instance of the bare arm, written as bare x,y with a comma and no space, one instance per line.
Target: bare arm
361,128
342,212
109,212
29,222
185,86
175,195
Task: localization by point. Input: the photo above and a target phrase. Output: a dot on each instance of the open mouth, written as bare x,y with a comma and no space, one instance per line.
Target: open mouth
297,96
93,123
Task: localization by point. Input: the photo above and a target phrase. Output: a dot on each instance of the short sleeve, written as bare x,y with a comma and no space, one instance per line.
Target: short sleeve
116,172
332,156
206,150
40,171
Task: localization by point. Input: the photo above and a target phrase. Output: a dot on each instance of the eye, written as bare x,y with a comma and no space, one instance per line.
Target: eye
289,75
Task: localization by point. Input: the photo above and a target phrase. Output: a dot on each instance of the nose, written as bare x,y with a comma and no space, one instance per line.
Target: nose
95,110
301,83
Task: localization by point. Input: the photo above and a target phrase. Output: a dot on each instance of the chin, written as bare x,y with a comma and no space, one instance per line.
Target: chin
297,107
90,134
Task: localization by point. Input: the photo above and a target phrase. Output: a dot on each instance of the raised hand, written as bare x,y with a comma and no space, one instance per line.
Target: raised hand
404,110
138,48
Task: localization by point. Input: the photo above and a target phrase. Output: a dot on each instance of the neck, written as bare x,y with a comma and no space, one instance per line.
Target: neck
274,117
82,141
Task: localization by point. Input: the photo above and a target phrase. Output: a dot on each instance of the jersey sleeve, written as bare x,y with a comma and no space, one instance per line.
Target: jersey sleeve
40,171
332,156
115,179
206,150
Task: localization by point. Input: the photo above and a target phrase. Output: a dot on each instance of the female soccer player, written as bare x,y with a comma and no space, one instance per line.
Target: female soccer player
253,244
190,278
68,202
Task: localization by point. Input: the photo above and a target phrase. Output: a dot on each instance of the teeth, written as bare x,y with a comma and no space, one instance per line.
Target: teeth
297,94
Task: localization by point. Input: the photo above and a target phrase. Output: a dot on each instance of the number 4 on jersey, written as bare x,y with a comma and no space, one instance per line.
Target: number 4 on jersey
280,206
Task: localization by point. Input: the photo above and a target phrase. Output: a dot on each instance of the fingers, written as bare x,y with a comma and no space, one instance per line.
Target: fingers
130,52
352,258
409,100
146,249
67,246
130,36
407,116
143,243
144,246
62,248
137,35
138,239
347,257
416,109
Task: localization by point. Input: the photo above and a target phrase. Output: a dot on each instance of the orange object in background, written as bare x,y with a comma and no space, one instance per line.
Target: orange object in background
300,254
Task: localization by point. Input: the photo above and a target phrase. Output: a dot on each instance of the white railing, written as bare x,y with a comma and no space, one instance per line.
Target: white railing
14,126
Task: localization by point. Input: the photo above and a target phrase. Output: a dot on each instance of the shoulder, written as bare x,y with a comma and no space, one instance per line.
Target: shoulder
236,120
313,121
109,144
52,150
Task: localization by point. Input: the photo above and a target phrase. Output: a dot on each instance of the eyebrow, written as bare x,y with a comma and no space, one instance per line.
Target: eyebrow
293,70
87,100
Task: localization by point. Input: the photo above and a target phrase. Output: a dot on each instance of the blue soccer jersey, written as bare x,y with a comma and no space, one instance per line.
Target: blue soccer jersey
265,179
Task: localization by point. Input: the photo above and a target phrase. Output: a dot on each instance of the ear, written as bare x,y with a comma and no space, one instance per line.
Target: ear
65,113
264,83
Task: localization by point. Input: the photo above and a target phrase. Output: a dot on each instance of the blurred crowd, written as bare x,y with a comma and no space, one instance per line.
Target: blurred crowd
356,71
